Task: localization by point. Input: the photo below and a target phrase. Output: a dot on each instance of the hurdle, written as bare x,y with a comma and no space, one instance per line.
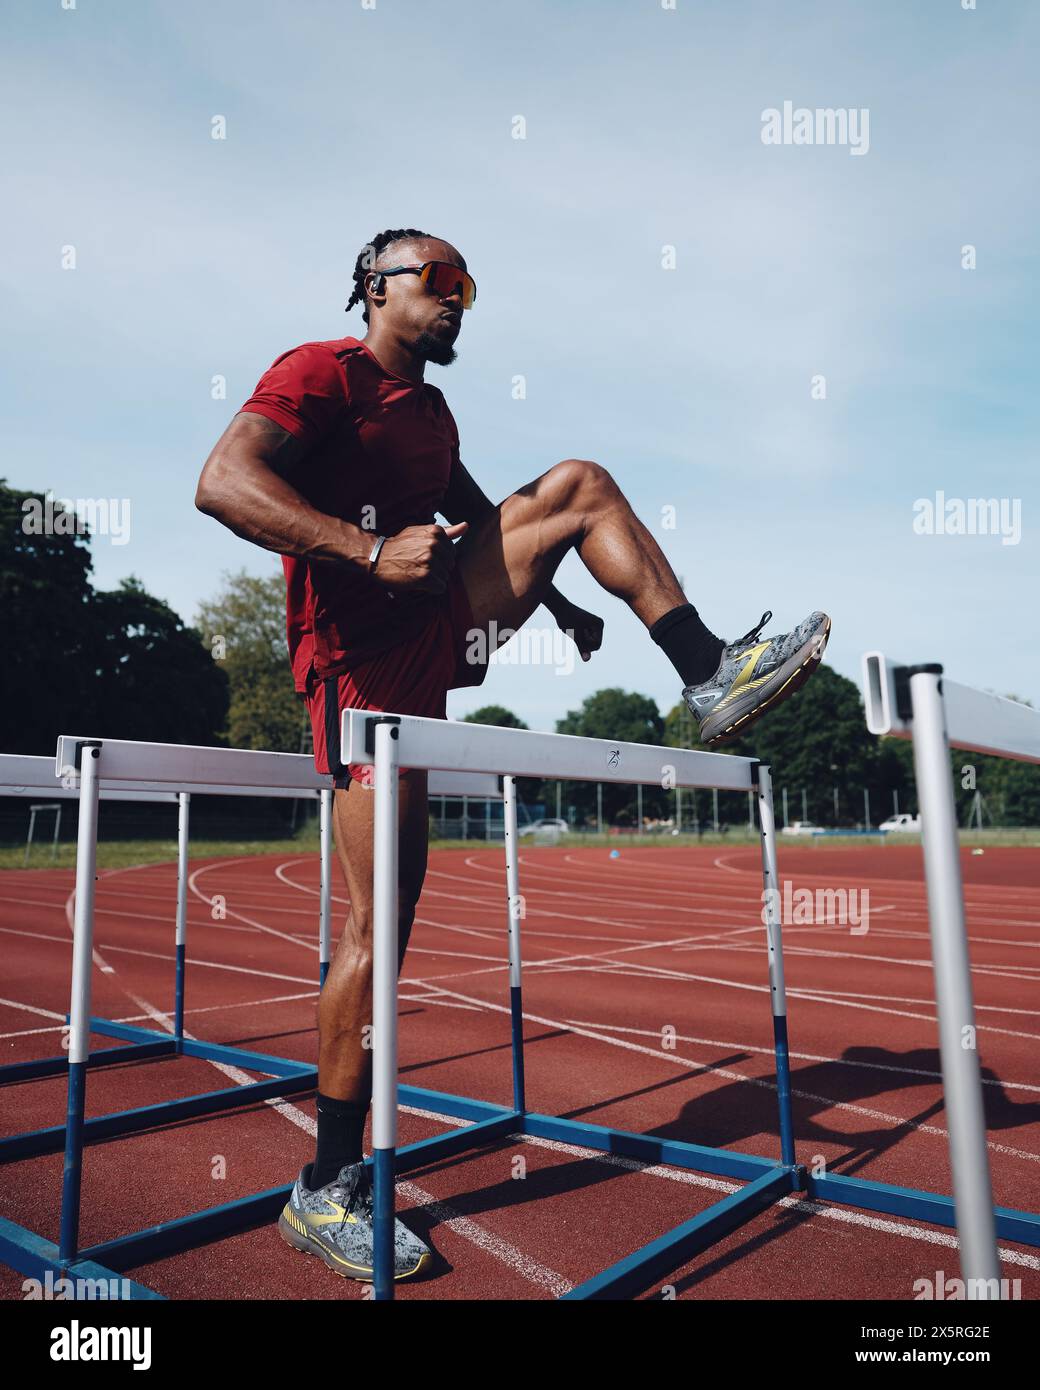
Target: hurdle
391,741
918,702
24,776
388,741
148,772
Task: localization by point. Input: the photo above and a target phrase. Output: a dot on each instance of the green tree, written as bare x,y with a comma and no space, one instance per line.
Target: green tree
497,715
244,627
619,714
46,626
153,678
118,664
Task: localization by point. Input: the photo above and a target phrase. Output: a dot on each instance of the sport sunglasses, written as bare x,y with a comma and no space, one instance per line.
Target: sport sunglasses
440,277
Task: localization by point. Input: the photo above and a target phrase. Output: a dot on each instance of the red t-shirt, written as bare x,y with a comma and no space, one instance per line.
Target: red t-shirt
381,450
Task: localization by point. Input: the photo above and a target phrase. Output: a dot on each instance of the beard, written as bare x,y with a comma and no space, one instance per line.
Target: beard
430,348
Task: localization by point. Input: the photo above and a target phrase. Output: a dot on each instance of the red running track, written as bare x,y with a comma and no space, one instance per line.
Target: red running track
647,1008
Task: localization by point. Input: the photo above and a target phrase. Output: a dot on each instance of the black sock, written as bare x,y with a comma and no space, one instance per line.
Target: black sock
341,1127
689,646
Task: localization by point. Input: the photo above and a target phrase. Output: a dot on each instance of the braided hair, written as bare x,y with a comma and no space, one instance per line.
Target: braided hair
368,256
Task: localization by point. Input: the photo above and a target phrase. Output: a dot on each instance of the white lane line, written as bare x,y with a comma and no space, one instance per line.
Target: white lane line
137,916
196,874
463,1226
801,1056
30,1009
199,1009
712,1070
689,1178
849,1217
650,971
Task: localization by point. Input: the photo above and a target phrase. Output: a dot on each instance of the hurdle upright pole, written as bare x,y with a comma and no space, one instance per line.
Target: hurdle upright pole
183,814
384,1003
514,906
325,898
778,994
962,1083
79,1004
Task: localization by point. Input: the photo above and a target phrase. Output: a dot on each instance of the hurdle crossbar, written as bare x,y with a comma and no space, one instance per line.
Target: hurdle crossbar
976,720
460,746
920,703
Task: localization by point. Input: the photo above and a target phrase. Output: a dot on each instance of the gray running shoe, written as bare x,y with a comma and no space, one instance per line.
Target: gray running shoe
335,1223
754,676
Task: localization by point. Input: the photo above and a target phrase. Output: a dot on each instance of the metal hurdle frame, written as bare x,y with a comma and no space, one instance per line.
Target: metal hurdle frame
919,703
389,741
91,770
22,776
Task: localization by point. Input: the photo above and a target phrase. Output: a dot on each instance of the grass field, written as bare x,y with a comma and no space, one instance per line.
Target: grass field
122,854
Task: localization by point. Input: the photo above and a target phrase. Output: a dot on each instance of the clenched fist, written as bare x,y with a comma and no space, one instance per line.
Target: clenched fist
419,558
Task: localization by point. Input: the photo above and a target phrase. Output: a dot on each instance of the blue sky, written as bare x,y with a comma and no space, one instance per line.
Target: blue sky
198,258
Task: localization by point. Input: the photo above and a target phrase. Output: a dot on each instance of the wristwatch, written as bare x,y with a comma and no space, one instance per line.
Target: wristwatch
375,553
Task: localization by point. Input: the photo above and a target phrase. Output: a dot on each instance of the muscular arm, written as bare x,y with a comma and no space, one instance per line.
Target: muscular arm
244,485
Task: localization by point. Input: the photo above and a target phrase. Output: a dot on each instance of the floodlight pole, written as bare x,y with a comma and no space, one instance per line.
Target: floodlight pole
962,1083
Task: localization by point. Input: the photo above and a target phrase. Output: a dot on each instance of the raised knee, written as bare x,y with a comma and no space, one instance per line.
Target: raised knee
580,476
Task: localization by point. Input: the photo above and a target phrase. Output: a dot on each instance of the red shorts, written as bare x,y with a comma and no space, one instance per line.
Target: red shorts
411,678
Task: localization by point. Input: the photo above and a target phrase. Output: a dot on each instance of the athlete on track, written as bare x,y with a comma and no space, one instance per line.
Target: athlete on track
339,461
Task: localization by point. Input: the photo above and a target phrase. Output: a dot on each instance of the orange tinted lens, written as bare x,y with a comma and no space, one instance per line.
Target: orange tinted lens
444,279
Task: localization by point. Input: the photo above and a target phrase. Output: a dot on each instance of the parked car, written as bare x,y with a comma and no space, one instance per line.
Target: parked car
801,827
546,824
903,824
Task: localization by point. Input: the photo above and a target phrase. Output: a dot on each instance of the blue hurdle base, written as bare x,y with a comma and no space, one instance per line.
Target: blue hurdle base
766,1181
288,1078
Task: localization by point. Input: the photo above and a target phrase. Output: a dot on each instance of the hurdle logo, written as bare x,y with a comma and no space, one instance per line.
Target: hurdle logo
615,758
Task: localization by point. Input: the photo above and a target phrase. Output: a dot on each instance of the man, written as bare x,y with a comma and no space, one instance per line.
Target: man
339,461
